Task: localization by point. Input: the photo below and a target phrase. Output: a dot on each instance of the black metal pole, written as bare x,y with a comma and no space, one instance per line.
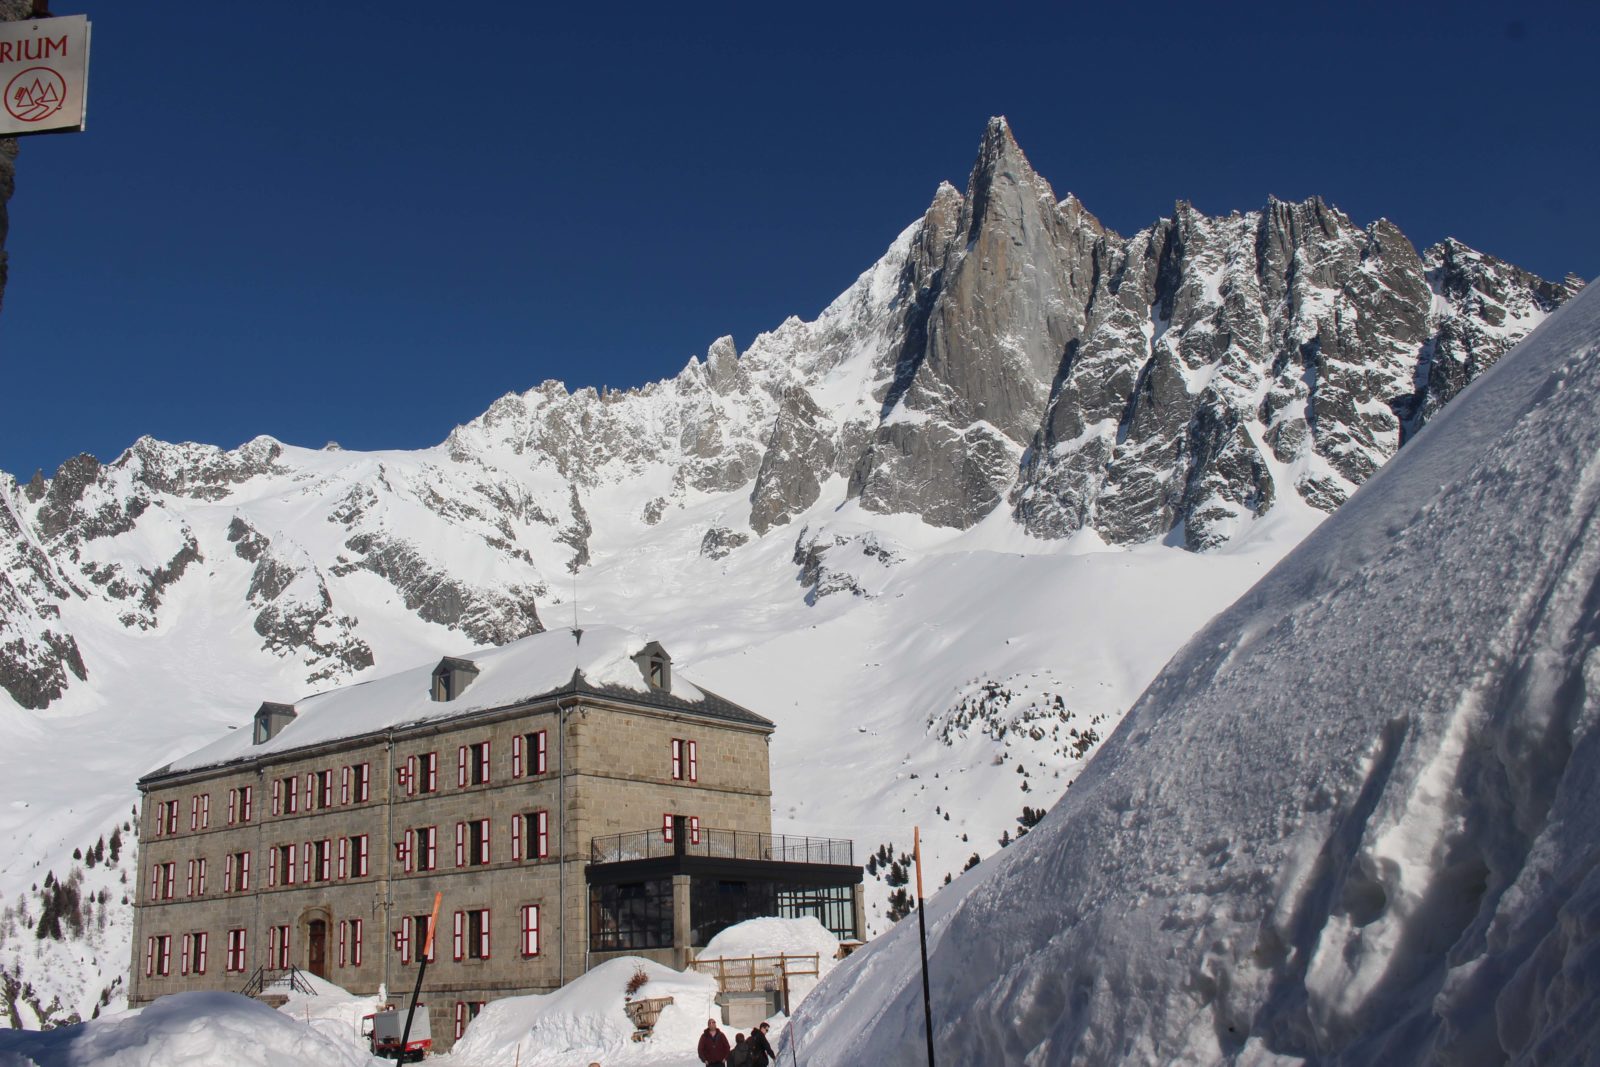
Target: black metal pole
422,969
922,930
405,1035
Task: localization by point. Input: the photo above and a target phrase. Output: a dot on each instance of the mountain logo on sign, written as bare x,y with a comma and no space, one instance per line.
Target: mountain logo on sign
35,94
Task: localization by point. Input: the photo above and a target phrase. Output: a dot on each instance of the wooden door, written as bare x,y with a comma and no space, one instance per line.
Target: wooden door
317,948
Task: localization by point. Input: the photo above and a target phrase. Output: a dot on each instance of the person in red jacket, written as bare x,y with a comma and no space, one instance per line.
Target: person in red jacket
713,1045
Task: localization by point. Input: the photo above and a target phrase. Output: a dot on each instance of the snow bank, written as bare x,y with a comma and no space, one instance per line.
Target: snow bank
183,1030
772,937
585,1021
1351,822
329,1009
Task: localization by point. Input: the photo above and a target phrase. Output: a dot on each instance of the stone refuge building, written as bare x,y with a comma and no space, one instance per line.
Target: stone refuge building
568,794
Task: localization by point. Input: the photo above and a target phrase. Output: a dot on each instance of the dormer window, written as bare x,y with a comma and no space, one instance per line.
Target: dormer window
656,666
270,719
451,677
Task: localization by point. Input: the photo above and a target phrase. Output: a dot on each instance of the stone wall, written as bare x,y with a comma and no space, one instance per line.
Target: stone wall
611,772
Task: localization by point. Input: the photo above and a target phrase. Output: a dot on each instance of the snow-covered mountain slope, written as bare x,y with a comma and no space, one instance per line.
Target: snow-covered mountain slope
1352,821
938,533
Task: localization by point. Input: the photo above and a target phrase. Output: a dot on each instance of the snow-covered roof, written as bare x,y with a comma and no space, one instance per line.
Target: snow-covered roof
596,660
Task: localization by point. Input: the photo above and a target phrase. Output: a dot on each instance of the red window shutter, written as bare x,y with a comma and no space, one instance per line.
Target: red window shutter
694,761
149,957
342,931
677,758
201,947
407,848
248,795
543,818
344,785
483,839
233,806
189,892
155,881
461,767
461,919
205,811
516,837
461,1017
202,879
327,858
411,776
694,829
277,797
344,857
539,762
244,871
461,844
516,756
194,816
355,942
289,880
483,936
272,870
305,864
363,778
666,827
166,954
405,940
433,848
311,790
227,874
484,762
361,856
183,956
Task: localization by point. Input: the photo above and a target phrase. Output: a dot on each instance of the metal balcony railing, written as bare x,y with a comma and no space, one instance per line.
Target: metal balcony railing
721,844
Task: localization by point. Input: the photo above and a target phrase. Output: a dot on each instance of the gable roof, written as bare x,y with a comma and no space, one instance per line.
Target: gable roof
596,661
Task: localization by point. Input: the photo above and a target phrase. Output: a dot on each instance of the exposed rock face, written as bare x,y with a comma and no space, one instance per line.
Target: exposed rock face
1006,352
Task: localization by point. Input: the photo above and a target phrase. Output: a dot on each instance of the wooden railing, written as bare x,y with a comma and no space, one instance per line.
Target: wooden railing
752,974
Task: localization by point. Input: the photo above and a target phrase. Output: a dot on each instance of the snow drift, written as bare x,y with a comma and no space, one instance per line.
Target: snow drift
1351,822
183,1030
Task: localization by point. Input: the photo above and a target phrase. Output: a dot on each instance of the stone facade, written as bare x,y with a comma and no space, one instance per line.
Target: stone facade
609,768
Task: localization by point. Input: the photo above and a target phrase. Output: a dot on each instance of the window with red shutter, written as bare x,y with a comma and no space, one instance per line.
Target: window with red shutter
516,838
201,948
530,929
460,934
694,761
344,785
247,796
189,892
461,1016
540,751
516,756
677,758
205,811
461,767
355,942
461,844
201,879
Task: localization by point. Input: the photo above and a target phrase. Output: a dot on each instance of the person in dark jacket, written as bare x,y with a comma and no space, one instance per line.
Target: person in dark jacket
713,1046
740,1056
761,1052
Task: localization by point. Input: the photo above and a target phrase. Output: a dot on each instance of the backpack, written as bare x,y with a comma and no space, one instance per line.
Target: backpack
740,1056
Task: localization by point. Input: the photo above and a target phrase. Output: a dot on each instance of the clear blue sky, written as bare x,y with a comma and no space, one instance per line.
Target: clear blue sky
364,221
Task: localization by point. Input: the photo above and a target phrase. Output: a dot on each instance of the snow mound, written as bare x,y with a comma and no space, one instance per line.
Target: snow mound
772,937
182,1030
331,1010
585,1021
1351,822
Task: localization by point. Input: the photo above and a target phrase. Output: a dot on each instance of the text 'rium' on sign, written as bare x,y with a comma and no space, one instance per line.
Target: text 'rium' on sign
42,48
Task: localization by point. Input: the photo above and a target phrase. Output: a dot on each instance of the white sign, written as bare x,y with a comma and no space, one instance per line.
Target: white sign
44,69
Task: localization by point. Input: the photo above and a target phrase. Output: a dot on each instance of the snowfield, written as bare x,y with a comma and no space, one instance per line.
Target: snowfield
1351,822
